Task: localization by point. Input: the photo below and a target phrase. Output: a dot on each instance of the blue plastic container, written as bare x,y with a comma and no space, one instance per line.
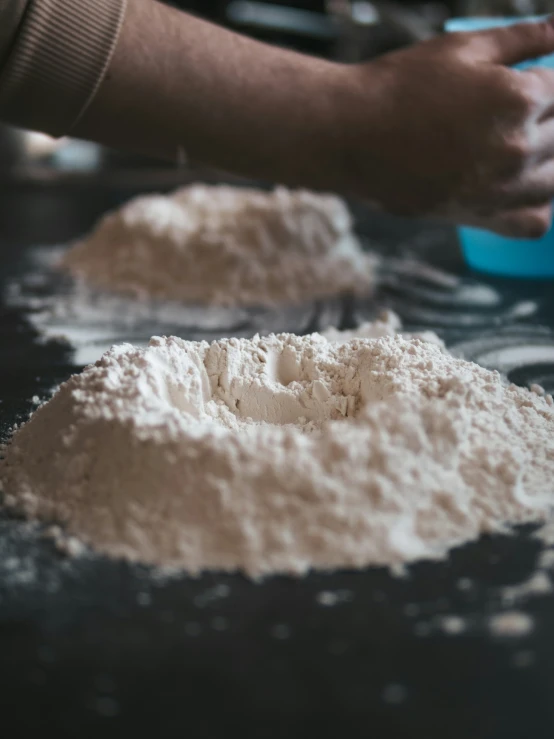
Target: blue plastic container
483,250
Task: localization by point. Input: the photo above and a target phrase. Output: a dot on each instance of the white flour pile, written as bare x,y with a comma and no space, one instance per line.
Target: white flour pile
224,245
284,453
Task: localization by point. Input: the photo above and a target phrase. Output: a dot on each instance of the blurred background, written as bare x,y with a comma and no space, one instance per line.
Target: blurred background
345,30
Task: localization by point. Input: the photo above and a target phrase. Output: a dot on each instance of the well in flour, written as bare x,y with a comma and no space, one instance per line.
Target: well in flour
284,453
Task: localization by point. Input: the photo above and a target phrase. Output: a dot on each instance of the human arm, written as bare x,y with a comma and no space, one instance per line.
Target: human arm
442,129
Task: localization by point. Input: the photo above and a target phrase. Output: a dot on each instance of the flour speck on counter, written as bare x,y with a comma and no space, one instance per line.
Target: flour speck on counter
512,624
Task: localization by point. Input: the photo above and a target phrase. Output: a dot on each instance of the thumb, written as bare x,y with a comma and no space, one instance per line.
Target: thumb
514,44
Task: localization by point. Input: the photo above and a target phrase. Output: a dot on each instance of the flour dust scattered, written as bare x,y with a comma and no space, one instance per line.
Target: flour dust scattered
230,280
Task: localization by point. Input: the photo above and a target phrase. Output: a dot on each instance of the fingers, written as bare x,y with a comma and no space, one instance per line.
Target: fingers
529,223
532,222
543,142
530,189
531,182
513,44
536,86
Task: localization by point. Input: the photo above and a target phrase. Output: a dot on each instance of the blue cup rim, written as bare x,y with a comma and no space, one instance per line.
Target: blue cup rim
482,23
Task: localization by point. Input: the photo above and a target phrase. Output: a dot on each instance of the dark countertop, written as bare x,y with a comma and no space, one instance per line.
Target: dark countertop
96,648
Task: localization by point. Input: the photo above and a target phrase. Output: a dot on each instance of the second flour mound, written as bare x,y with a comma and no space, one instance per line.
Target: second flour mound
220,245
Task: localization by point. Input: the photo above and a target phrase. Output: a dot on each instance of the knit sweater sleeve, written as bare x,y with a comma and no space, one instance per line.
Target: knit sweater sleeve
54,55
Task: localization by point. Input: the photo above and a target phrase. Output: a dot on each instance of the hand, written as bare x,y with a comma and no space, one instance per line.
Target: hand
446,129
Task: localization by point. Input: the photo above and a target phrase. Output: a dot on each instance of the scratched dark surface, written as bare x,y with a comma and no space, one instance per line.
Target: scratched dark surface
96,648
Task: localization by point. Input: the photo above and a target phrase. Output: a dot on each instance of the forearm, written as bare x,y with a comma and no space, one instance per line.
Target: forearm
442,128
177,81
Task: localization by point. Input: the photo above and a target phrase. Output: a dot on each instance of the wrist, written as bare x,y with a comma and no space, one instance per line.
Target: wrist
321,147
361,111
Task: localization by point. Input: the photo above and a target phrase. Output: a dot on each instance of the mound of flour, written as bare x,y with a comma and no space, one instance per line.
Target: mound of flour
283,453
223,245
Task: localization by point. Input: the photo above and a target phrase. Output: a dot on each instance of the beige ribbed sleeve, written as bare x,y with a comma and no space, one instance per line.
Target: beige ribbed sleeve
56,61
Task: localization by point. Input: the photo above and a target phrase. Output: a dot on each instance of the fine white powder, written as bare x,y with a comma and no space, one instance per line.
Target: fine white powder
284,453
229,246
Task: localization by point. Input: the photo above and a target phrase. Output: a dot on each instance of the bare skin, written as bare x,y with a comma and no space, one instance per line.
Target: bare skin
458,135
442,129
